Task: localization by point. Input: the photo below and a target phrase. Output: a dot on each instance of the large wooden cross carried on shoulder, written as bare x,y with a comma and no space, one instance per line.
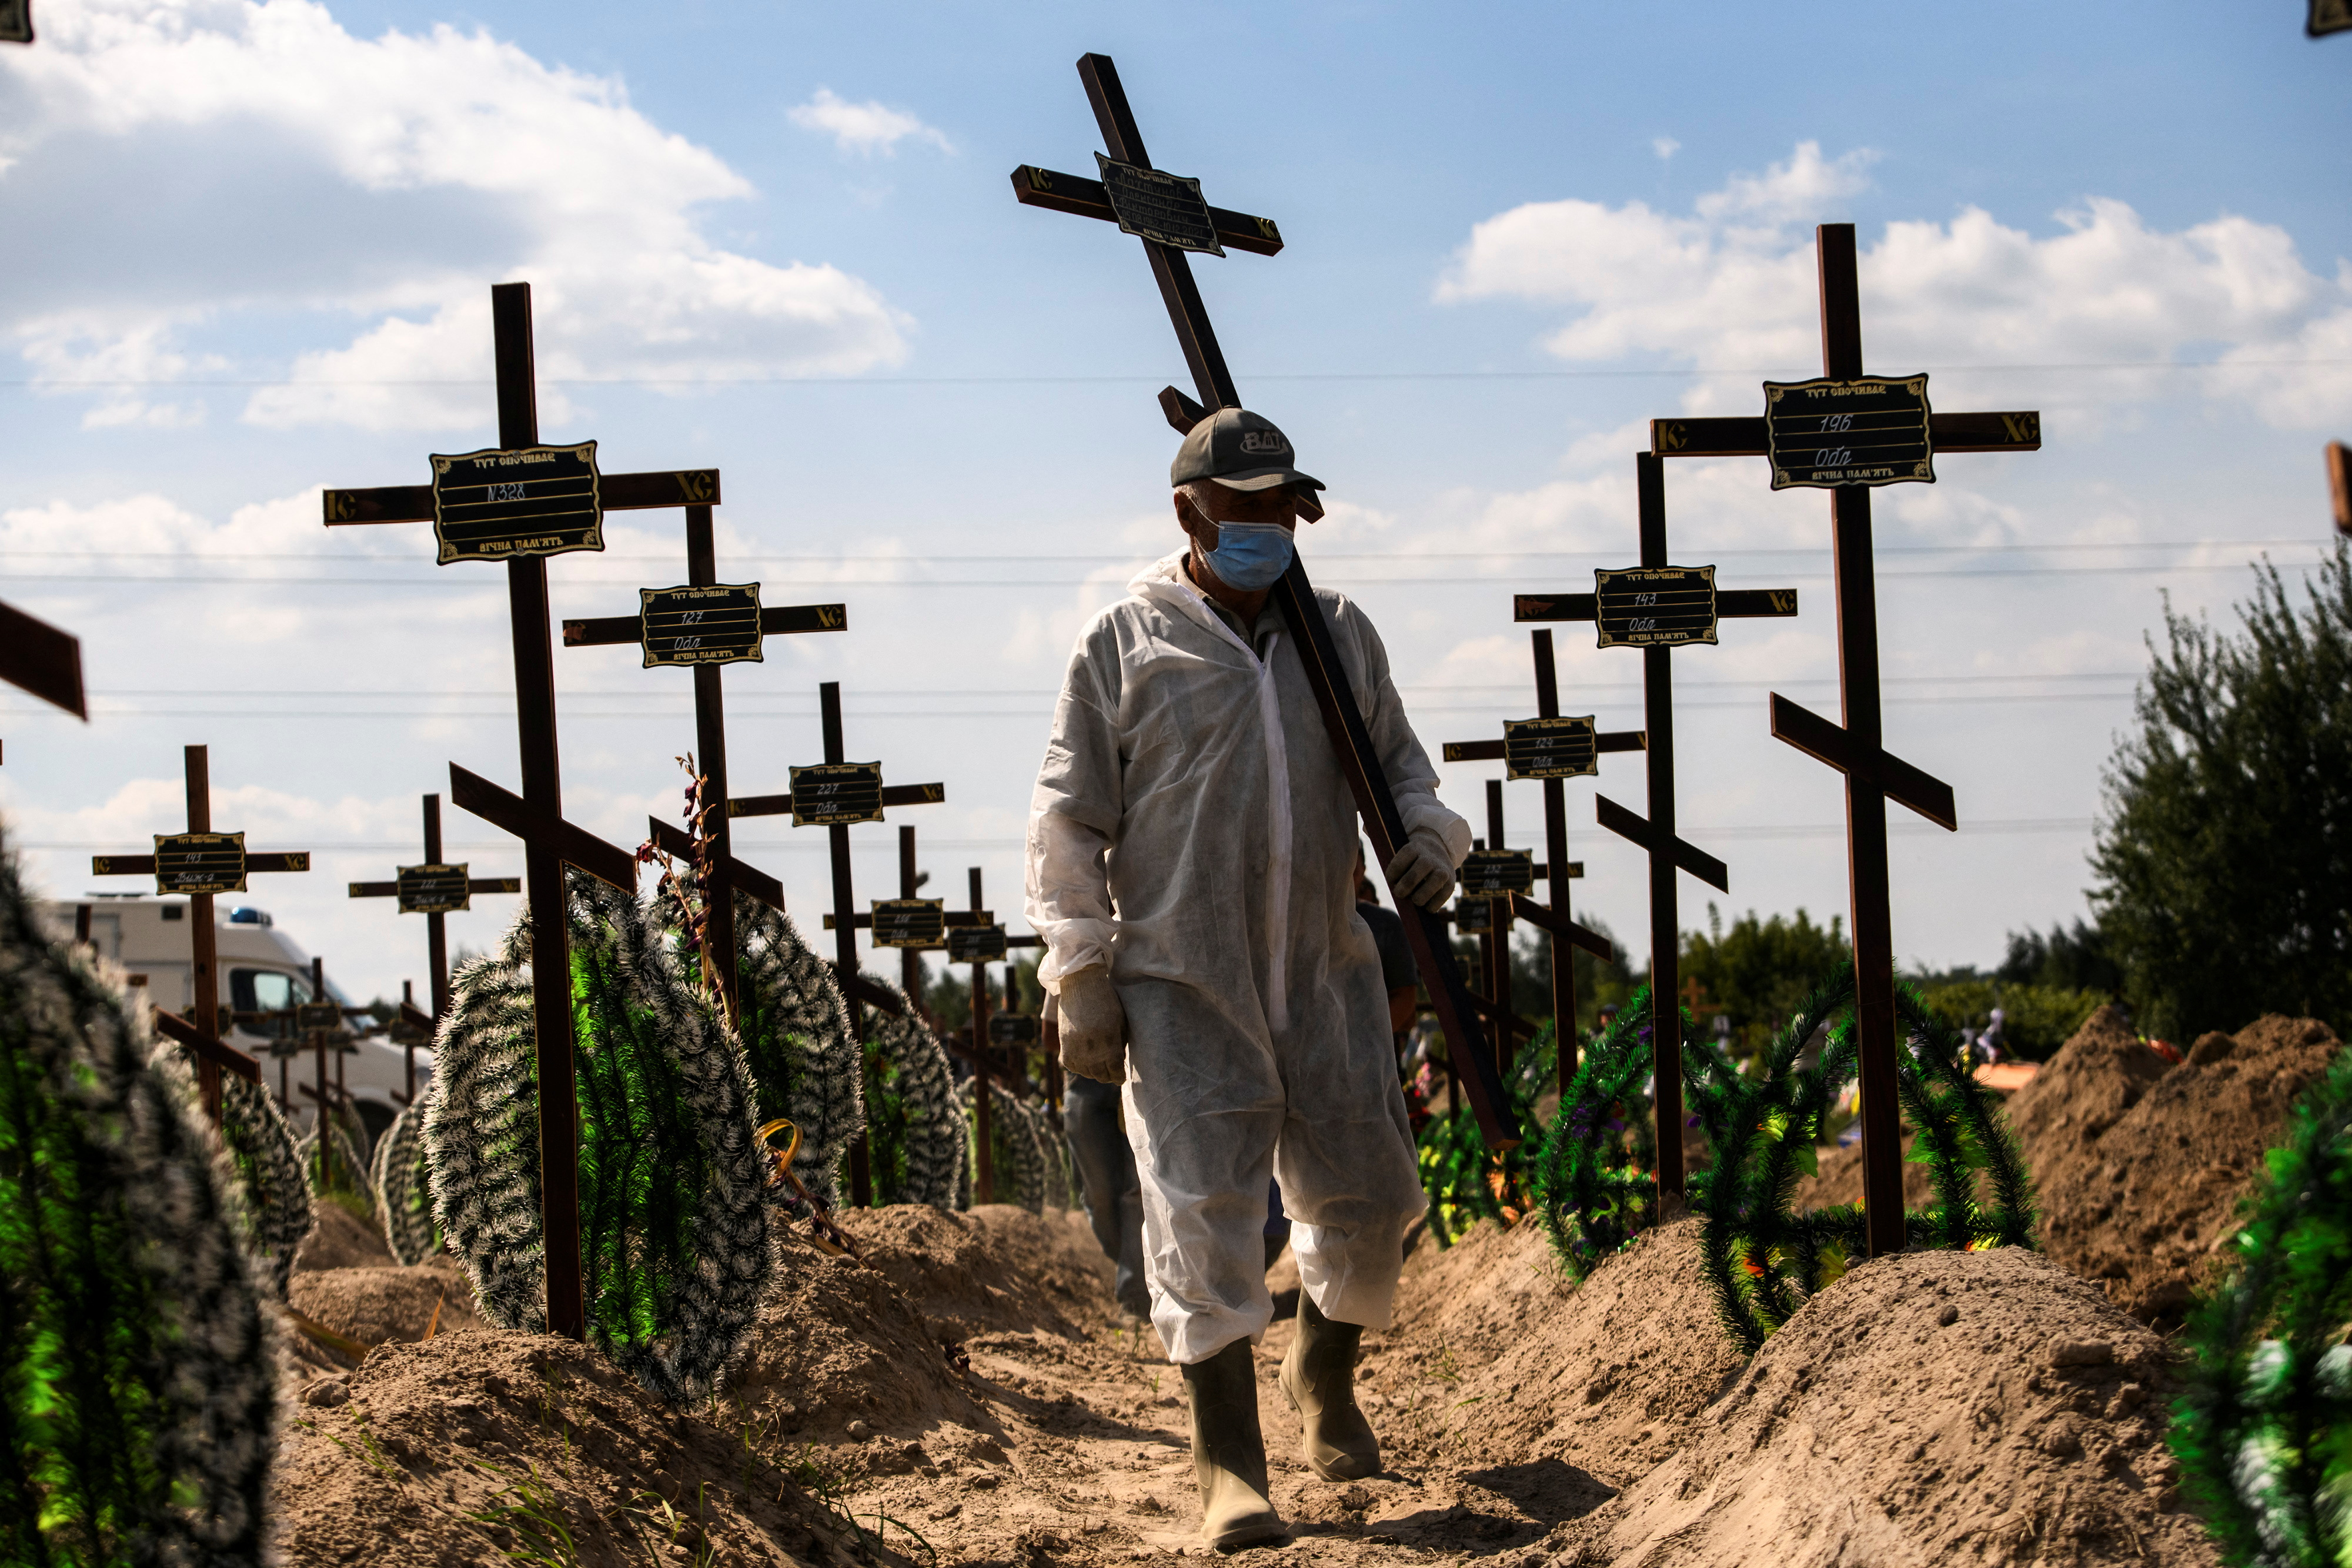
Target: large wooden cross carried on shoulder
1168,214
520,503
1848,433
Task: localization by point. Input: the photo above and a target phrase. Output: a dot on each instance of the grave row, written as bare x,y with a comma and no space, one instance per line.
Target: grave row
521,502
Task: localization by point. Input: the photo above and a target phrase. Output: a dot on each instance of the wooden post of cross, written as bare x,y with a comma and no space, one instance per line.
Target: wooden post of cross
1658,608
1847,432
435,891
833,795
1553,749
707,626
36,657
200,863
2339,485
520,503
1168,214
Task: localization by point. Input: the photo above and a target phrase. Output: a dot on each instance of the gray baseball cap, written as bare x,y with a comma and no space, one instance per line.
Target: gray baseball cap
1241,451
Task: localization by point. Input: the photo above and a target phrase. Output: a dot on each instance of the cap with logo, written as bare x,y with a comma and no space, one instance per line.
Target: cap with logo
1241,451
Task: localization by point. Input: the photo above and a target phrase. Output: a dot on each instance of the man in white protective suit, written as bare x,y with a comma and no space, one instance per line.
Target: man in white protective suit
1191,850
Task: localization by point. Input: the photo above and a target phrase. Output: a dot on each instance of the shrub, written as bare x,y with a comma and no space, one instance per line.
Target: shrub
2265,1431
2035,1019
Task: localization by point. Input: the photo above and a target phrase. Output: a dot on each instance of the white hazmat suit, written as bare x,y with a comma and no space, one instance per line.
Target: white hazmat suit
1193,828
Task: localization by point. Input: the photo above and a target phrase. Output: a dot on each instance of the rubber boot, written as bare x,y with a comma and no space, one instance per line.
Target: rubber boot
1319,1378
1228,1454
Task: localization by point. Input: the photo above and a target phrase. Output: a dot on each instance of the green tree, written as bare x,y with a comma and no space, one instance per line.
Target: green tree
2224,853
1760,971
2082,959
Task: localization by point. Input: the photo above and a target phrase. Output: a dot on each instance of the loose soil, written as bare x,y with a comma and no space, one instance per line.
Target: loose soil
2140,1165
966,1392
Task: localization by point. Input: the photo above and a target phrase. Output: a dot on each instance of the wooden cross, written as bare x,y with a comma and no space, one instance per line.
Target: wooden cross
520,503
36,657
1873,775
1694,997
706,625
2339,485
1170,218
1544,756
1656,607
200,863
851,792
433,890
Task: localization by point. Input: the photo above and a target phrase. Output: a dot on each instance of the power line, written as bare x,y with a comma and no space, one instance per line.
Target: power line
46,384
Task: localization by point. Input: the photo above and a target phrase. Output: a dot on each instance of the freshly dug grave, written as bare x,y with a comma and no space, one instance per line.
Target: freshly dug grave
1937,1407
481,1446
2145,1205
968,1388
2137,1164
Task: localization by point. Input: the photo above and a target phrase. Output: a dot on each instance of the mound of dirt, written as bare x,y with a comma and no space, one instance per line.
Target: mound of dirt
340,1240
2079,1094
2142,1203
1601,1379
1937,1407
482,1446
387,1305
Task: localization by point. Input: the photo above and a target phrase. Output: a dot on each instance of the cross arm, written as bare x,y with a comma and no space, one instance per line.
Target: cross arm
144,865
1058,193
473,885
1625,824
2016,431
873,996
1730,604
42,660
603,630
672,840
615,493
1545,918
948,917
173,1027
1501,1017
576,846
1492,750
781,805
1822,741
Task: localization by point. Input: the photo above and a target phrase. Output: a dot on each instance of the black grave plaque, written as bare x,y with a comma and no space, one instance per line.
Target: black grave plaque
1550,748
434,889
1167,208
832,793
975,944
199,863
1473,916
2327,17
498,503
1654,606
1872,430
1488,873
309,1015
1012,1029
718,624
16,21
908,922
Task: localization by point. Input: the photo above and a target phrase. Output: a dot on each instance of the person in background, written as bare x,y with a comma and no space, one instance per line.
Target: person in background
1105,1168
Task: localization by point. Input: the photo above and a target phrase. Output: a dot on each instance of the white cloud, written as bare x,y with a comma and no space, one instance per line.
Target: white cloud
259,158
1666,147
1732,287
863,128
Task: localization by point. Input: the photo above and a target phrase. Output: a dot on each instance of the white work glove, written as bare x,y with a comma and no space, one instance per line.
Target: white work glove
1092,1024
1422,872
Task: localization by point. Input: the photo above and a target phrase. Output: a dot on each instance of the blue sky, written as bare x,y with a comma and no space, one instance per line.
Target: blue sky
249,248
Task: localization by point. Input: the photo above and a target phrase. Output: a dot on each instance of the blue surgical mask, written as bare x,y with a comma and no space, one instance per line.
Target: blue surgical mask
1250,556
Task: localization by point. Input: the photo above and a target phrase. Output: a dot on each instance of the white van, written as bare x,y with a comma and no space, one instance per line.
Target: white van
261,970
